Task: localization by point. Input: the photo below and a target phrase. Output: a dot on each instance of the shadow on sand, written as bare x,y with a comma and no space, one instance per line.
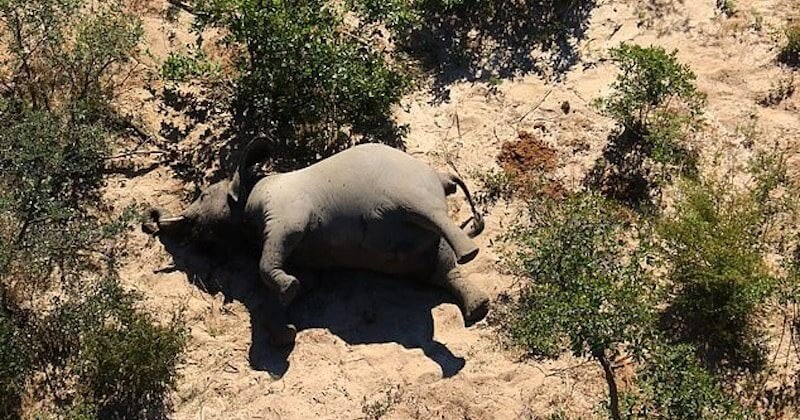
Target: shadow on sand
481,40
359,307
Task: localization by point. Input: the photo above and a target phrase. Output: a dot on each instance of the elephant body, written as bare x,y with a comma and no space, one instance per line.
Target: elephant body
357,209
369,207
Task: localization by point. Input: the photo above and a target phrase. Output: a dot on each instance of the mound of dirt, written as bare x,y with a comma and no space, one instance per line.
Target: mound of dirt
531,163
527,154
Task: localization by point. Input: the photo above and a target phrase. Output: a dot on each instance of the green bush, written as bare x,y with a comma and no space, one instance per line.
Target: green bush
656,105
69,335
654,96
122,361
15,364
50,168
673,385
399,15
61,54
590,291
716,242
306,79
790,52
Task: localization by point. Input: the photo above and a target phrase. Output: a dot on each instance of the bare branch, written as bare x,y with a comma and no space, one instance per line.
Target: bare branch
183,6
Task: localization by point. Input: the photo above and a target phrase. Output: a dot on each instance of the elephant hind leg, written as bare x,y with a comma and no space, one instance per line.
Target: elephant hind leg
472,301
438,221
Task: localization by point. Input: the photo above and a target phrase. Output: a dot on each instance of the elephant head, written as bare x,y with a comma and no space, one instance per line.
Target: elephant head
219,207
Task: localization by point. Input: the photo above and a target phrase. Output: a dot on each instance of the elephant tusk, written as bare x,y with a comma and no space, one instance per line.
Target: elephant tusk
156,223
171,220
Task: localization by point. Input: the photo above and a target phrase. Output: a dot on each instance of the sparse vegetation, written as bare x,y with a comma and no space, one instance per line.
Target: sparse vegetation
673,385
60,54
790,51
495,185
779,92
383,405
589,290
69,335
656,106
716,242
758,20
183,67
726,7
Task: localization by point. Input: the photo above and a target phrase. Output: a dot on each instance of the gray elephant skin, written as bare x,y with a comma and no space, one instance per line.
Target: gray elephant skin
370,207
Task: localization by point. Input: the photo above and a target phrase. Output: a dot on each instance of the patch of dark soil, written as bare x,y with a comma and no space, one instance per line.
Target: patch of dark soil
527,153
531,162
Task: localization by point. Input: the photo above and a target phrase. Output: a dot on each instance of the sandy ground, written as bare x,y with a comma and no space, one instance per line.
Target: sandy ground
371,346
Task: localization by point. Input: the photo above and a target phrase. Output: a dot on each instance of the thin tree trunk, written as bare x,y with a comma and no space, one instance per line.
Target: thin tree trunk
613,394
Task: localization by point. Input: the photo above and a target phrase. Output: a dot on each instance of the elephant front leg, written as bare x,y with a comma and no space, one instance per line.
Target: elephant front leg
277,249
472,301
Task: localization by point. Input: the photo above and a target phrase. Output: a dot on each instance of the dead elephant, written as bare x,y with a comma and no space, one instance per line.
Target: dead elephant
370,207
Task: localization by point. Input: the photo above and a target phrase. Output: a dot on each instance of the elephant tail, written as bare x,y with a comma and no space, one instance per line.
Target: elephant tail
450,183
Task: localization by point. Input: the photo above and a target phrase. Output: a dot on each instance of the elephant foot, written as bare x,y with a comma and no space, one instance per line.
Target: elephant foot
289,291
283,338
475,310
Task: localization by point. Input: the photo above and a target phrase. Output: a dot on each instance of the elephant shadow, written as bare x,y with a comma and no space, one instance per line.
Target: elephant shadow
357,306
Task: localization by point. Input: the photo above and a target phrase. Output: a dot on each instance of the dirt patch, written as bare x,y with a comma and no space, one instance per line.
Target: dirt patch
527,153
531,164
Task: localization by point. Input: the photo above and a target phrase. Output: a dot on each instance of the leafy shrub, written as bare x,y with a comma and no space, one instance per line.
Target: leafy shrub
593,292
15,365
399,15
51,169
790,52
122,360
654,98
62,54
589,290
69,335
304,77
716,242
673,385
656,105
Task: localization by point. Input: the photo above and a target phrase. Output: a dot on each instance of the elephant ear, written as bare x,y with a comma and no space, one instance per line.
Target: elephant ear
253,153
